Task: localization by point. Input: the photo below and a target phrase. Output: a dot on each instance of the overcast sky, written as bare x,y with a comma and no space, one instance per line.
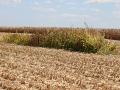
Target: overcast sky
70,13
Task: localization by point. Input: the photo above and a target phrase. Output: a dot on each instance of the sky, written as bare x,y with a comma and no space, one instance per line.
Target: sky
60,13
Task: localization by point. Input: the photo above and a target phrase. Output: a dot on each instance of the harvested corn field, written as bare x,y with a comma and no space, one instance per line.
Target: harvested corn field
36,68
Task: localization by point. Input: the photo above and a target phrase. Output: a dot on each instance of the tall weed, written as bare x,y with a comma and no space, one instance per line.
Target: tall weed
74,40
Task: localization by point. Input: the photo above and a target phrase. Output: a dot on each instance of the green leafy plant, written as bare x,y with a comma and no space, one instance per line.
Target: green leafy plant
17,39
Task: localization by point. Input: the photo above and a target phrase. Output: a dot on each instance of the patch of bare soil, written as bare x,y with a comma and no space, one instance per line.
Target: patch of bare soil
35,68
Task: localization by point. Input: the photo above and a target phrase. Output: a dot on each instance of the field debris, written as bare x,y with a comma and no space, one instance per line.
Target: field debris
36,68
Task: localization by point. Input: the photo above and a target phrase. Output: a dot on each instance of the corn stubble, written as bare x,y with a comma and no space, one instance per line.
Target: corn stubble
36,68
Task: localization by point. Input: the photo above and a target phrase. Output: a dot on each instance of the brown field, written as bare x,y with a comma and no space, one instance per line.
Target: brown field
36,68
113,34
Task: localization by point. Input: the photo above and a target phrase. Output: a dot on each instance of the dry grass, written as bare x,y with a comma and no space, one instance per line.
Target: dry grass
74,40
33,68
113,34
